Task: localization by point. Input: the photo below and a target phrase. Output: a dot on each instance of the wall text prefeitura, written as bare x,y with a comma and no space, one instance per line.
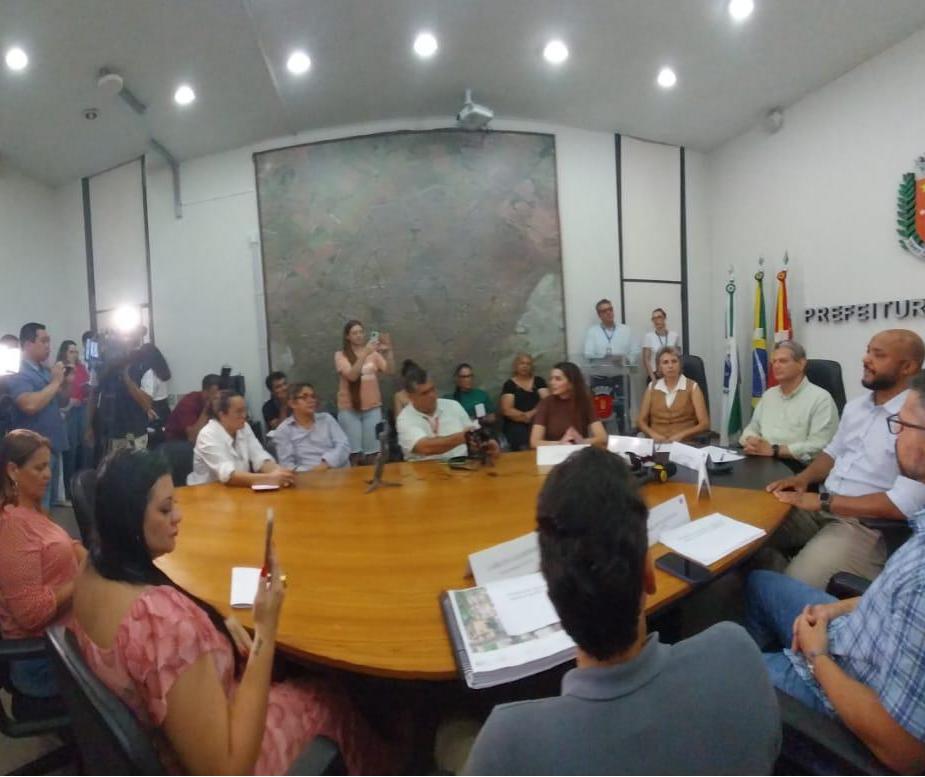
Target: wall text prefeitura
868,311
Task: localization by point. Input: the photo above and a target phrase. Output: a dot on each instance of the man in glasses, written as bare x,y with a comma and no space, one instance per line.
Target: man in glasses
609,345
307,440
861,660
859,475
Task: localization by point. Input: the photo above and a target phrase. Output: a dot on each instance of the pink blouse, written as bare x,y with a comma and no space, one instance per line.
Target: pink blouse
36,556
370,396
164,633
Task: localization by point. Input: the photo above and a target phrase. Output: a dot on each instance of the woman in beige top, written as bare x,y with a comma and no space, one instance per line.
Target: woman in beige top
673,408
359,400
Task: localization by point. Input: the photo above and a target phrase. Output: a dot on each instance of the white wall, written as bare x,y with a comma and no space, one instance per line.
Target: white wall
823,188
208,307
44,278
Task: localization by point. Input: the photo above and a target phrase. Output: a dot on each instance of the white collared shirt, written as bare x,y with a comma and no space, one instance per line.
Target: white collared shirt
601,342
660,385
865,455
655,342
414,426
217,454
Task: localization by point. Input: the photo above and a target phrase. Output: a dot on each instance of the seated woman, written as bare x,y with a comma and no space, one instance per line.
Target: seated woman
307,440
567,415
200,683
520,396
673,408
38,560
227,450
475,401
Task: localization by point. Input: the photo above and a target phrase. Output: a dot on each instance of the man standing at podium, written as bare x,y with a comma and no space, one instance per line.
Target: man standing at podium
609,346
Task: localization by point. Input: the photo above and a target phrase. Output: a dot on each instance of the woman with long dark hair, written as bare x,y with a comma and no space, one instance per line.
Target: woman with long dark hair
359,399
38,560
77,456
567,414
199,682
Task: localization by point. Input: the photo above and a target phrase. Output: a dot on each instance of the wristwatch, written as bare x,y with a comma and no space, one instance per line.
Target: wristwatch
811,659
775,451
825,499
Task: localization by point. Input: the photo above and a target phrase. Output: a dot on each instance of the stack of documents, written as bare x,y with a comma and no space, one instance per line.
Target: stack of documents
244,582
550,455
710,538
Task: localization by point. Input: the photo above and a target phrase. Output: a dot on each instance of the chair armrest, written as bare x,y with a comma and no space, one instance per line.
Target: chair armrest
320,756
844,585
811,736
19,649
886,525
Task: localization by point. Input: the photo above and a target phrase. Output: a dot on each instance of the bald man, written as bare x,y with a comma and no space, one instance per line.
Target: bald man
860,473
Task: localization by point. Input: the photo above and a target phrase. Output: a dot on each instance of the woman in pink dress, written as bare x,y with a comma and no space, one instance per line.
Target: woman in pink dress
197,681
38,560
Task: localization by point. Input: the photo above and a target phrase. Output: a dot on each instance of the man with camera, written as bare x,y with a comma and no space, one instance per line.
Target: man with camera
37,392
121,406
432,428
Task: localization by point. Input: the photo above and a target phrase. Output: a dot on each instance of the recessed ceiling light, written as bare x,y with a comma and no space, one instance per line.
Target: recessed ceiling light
425,45
16,59
667,78
740,10
298,63
556,52
184,95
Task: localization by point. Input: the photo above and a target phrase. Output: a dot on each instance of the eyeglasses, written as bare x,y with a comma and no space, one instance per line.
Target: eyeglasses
605,310
305,397
895,424
464,375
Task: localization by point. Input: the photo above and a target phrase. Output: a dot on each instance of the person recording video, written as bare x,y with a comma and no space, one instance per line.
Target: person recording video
121,405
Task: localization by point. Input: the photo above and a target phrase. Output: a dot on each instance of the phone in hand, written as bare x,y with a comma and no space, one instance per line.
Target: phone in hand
374,336
265,570
679,566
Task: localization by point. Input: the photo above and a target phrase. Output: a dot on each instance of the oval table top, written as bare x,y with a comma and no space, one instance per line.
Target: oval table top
365,571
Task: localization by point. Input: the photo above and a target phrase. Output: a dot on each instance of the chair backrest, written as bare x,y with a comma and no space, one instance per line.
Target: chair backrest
826,374
180,455
692,367
83,497
107,734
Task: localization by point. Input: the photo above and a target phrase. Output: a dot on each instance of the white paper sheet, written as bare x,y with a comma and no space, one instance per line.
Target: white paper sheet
641,446
264,487
709,539
719,455
244,582
550,455
522,603
520,556
667,515
664,447
687,455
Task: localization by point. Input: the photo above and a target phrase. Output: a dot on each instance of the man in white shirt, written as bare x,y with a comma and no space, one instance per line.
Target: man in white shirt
609,344
862,477
431,427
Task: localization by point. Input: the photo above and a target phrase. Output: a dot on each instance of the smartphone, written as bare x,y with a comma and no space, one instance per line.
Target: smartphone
374,336
265,570
689,571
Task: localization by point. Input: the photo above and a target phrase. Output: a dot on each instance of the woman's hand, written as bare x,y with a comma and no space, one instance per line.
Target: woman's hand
239,635
271,591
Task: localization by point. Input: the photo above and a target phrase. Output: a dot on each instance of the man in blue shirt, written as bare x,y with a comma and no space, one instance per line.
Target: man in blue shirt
861,660
35,392
307,440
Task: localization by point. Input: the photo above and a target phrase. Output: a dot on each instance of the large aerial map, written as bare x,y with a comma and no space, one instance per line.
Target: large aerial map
447,240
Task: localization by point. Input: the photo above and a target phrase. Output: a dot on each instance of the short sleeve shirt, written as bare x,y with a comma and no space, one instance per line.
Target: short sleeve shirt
47,421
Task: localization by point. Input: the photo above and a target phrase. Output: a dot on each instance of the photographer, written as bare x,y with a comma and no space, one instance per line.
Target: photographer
122,407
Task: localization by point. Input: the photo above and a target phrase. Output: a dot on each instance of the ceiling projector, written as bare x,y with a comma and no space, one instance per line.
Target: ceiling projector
473,116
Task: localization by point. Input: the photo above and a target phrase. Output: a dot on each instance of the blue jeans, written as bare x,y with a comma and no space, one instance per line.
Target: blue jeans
773,602
34,677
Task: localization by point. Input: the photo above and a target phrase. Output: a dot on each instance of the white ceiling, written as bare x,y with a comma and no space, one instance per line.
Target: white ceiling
233,52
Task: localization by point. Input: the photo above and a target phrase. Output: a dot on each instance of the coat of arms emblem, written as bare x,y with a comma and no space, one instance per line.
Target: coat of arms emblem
910,210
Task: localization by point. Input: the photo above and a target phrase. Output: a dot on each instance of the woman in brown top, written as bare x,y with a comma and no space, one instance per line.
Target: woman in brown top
673,408
567,415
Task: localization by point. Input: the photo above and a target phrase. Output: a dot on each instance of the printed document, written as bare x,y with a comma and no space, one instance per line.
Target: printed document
711,538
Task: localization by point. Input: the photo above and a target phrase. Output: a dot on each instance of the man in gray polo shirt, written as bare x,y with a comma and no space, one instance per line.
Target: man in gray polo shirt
633,705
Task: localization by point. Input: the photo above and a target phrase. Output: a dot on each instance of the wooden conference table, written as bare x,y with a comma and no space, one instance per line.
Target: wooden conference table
365,570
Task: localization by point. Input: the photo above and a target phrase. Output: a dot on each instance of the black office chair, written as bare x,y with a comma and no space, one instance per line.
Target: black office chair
28,716
826,374
83,497
692,367
110,739
180,455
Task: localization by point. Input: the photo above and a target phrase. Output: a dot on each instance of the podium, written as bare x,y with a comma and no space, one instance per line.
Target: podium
610,383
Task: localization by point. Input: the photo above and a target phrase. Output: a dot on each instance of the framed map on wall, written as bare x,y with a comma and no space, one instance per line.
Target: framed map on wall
448,240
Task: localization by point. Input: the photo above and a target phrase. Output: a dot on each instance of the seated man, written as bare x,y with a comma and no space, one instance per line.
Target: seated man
633,705
276,408
308,440
795,419
860,473
432,428
861,660
192,412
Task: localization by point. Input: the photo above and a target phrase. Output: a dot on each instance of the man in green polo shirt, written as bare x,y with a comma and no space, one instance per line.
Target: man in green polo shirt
794,419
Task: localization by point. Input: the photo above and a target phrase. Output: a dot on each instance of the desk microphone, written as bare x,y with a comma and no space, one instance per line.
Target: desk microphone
382,433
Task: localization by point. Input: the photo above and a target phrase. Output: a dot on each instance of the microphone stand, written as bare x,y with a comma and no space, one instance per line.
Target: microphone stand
377,482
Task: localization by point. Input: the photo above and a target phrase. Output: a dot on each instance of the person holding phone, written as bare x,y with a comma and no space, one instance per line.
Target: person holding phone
359,398
633,704
200,683
228,451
